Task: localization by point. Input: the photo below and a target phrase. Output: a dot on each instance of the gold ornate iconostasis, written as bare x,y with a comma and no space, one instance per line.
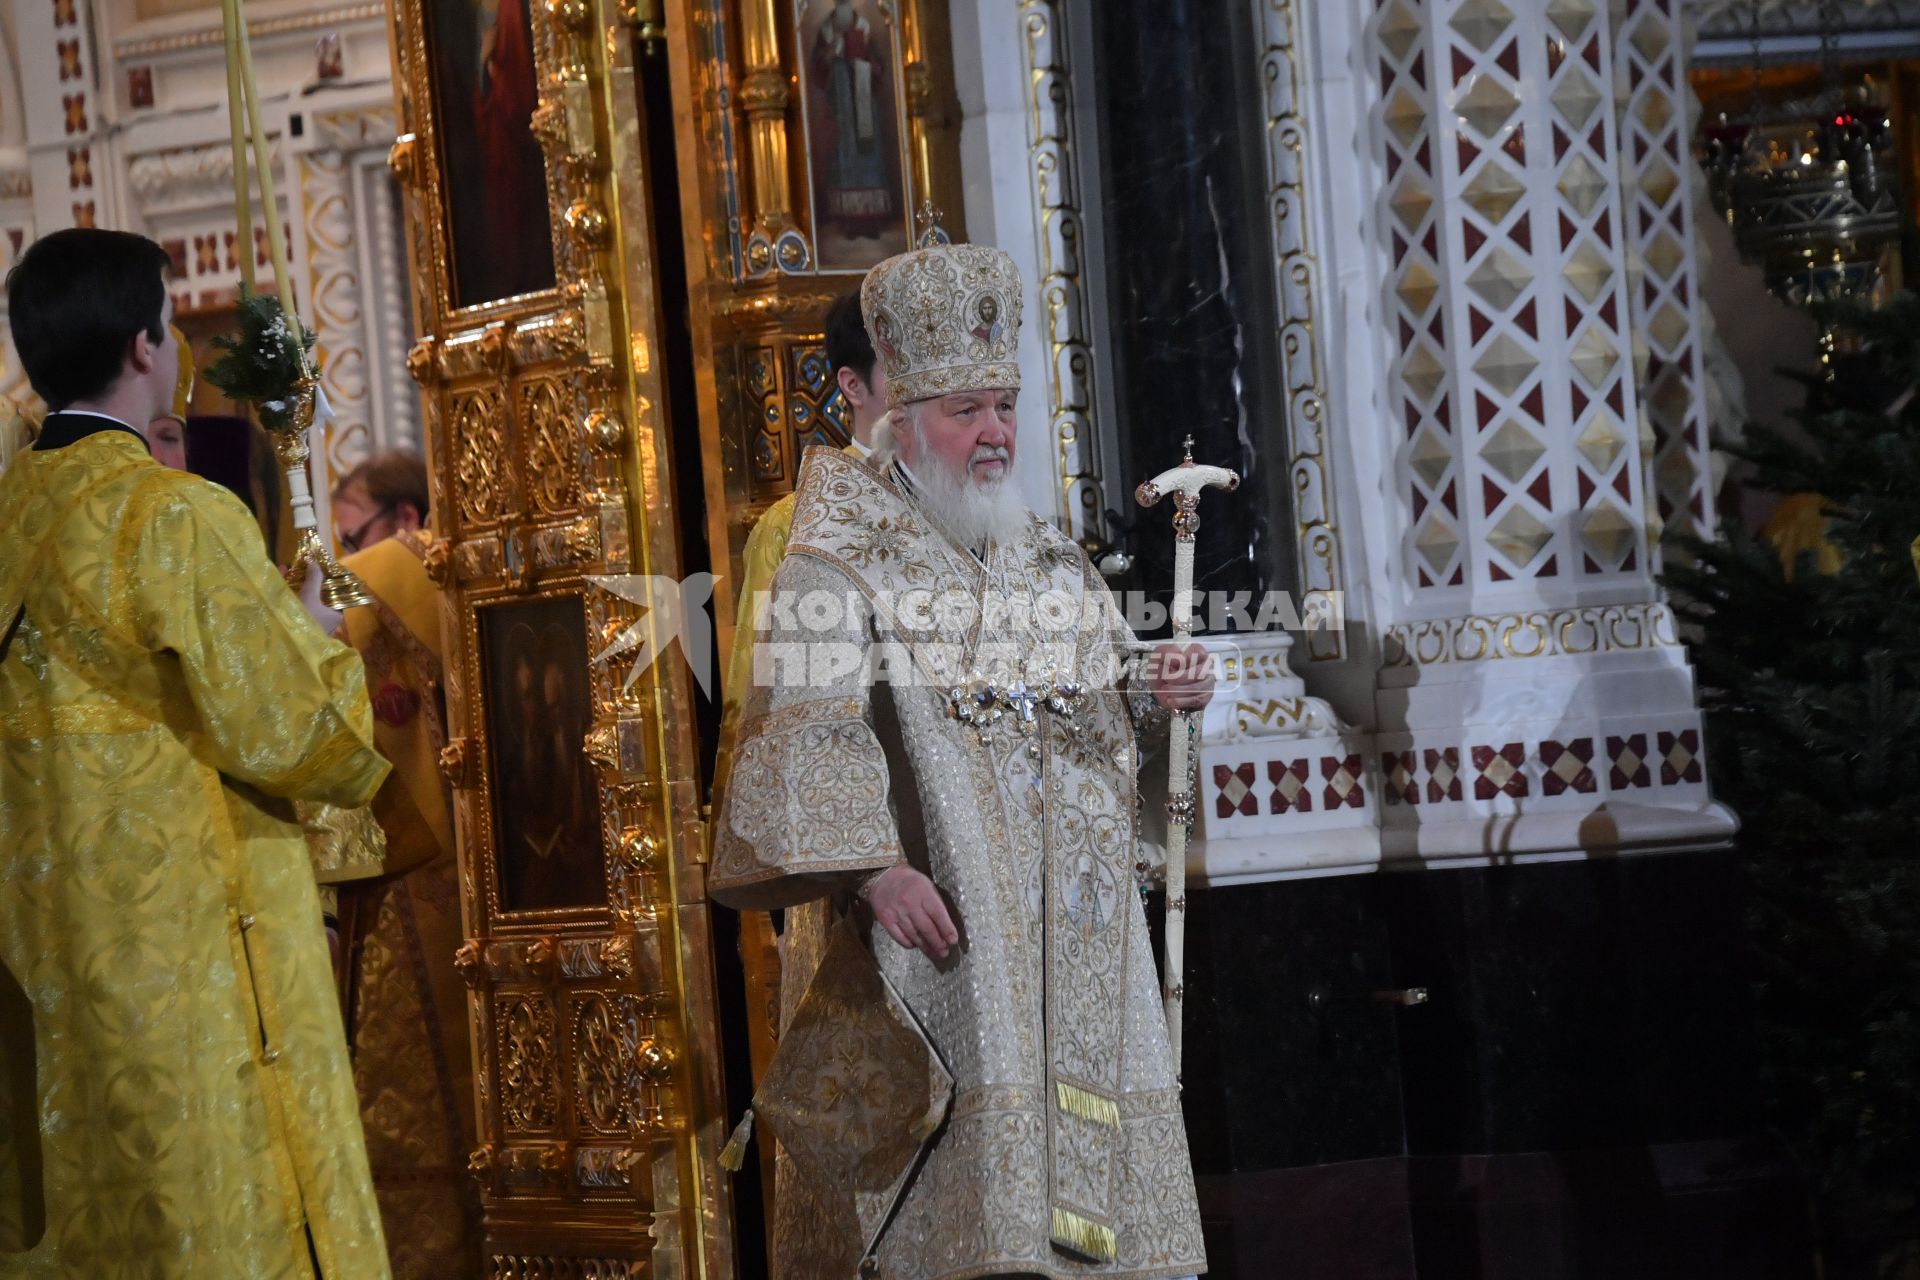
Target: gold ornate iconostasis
625,222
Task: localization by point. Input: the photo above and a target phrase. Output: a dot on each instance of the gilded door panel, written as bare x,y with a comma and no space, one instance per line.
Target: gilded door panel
587,951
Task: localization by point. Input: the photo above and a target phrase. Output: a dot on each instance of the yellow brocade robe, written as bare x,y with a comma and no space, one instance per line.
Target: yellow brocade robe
406,1006
778,969
162,699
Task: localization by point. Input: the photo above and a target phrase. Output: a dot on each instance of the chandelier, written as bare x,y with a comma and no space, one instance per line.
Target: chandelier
1808,187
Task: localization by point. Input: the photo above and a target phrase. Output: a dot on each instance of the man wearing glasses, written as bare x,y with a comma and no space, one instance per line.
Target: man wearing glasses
398,920
384,495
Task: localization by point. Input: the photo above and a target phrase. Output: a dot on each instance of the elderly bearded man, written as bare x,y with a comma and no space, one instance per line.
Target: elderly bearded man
979,803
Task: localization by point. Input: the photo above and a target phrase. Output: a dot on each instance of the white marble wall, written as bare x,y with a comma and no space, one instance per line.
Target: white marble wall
1028,156
1462,242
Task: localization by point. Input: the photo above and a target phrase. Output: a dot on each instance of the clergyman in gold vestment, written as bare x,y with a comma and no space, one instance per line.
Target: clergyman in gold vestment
778,971
979,803
175,1101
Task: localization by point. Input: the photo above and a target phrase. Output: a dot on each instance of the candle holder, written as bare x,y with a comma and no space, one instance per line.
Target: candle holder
267,366
340,589
270,365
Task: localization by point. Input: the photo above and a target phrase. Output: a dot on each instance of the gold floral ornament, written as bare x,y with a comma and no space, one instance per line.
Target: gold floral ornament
853,1093
945,319
270,364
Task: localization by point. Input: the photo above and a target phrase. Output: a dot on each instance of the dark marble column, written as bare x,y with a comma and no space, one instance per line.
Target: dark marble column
1189,279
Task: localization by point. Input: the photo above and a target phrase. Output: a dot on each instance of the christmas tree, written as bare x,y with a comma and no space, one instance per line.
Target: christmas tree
1813,687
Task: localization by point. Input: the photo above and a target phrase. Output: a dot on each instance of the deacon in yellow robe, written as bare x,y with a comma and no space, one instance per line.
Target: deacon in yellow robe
162,700
778,969
405,1005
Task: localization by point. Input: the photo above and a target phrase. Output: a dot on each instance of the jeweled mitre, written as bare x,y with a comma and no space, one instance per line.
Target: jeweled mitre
944,319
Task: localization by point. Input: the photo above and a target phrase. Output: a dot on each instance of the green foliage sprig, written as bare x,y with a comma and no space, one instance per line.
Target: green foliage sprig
266,361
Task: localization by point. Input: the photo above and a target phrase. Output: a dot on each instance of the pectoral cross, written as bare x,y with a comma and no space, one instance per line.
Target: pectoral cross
1022,699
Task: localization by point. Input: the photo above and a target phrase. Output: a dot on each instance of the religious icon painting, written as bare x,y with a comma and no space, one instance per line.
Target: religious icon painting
546,796
851,91
499,236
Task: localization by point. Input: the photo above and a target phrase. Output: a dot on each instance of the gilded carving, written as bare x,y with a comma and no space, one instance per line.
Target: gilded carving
403,161
477,419
478,559
638,847
552,463
604,430
466,962
1543,633
492,349
582,539
602,746
553,338
601,1168
573,15
529,1266
529,1074
535,960
549,126
616,954
1064,321
606,1042
781,308
1317,530
439,562
655,1062
534,1167
588,222
519,558
454,761
539,428
423,361
764,93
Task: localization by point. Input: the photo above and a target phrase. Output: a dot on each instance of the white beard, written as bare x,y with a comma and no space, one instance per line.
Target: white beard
967,511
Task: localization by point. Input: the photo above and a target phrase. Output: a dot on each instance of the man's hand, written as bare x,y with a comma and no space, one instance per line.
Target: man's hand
911,910
1181,677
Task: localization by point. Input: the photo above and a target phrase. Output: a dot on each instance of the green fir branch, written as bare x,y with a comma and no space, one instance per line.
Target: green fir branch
266,361
1811,686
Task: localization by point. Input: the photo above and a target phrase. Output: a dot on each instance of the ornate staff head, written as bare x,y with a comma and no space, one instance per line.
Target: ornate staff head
1185,482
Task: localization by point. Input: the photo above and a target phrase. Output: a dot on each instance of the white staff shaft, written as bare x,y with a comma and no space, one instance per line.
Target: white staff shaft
1183,484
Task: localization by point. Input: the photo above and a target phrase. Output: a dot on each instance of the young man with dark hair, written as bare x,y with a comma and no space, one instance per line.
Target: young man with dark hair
850,351
165,698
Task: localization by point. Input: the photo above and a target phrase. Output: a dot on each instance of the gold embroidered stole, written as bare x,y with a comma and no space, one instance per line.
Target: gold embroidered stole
853,517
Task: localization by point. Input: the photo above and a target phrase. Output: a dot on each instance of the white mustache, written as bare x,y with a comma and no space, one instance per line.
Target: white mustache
989,453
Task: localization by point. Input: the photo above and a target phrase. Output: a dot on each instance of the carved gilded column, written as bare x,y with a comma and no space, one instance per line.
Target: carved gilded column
932,112
764,101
